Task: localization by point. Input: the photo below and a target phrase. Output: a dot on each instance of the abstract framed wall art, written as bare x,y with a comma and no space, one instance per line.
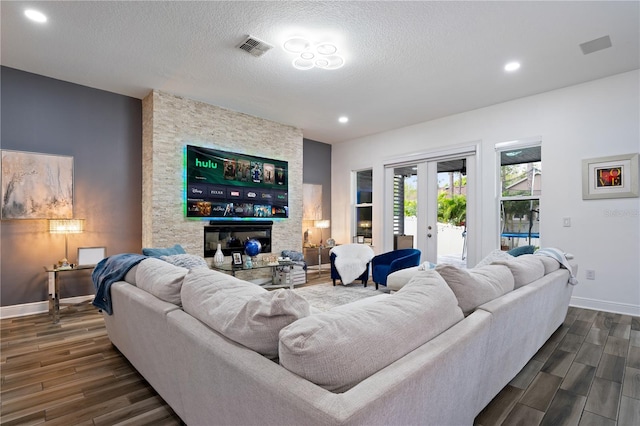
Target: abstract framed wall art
610,177
36,186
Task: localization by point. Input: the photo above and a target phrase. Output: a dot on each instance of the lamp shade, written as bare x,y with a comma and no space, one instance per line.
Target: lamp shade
322,224
66,226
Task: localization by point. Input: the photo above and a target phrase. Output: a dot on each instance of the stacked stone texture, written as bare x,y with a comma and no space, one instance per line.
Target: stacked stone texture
172,122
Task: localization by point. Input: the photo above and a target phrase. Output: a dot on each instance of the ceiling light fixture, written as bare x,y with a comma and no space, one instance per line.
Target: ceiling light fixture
296,45
35,16
343,119
512,66
322,55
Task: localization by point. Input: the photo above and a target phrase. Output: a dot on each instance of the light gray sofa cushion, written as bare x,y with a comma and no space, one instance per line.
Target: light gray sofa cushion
496,254
339,348
189,261
525,269
398,279
130,276
161,279
476,286
550,264
241,311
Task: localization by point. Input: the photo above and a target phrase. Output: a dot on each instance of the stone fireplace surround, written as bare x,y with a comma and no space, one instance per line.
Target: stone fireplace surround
171,122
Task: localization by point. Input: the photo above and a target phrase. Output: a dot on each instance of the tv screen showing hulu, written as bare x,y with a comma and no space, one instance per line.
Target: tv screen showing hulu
227,185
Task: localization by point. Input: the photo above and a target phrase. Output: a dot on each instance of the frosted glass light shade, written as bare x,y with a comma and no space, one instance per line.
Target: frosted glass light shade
322,224
66,226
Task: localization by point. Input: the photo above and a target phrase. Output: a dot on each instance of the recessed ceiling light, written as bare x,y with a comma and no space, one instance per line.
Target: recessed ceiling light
343,119
512,66
35,16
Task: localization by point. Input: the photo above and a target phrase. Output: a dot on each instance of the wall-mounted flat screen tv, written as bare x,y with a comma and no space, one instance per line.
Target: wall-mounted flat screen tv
227,185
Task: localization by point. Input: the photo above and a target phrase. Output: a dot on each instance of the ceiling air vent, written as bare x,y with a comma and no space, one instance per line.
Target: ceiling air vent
595,45
254,46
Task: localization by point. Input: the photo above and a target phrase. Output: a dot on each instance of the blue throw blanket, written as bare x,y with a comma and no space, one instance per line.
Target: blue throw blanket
107,272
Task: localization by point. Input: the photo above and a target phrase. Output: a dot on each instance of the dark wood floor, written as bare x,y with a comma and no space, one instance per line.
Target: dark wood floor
588,373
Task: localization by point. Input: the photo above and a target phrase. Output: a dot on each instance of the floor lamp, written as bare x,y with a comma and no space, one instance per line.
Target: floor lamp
321,224
66,227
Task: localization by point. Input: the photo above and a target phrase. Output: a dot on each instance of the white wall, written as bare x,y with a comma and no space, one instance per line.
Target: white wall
589,120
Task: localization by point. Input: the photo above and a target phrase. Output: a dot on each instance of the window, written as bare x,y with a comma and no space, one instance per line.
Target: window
363,206
520,184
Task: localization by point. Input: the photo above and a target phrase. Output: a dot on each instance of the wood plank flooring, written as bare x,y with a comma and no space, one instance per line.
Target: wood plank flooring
588,373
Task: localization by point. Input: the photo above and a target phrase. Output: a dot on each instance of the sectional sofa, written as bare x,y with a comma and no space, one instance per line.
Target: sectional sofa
222,351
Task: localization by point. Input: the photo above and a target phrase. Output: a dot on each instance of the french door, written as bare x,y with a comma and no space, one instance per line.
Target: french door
432,199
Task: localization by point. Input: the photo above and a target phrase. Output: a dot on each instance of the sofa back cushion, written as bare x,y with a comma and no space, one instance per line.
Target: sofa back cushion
241,311
339,348
550,264
525,269
476,286
161,279
189,261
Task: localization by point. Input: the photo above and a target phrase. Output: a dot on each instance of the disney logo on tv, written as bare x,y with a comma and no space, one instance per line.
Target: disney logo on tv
196,191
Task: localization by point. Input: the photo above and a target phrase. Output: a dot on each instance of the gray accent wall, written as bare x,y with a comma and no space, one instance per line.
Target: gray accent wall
103,133
316,158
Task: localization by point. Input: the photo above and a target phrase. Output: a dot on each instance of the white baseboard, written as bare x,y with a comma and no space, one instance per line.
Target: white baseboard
13,311
600,305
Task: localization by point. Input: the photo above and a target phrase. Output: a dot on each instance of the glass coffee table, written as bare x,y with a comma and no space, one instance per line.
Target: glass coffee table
275,268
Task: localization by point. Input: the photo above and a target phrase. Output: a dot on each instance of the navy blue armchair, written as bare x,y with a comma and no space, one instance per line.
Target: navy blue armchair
386,263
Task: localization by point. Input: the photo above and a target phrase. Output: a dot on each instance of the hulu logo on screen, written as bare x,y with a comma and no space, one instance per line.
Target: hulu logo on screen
206,164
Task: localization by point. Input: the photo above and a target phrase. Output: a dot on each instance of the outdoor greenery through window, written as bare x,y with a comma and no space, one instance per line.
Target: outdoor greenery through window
520,183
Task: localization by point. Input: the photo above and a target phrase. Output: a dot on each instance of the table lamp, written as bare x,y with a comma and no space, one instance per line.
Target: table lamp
322,224
66,226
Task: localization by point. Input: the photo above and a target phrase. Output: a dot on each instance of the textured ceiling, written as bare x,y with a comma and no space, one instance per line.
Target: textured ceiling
406,62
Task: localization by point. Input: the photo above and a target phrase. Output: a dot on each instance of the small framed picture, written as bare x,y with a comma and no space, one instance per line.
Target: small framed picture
236,258
610,177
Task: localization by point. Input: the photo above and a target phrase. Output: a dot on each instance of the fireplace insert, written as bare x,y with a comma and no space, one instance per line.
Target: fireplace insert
232,235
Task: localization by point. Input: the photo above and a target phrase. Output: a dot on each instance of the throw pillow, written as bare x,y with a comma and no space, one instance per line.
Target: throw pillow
341,347
476,286
496,254
295,256
189,261
519,251
241,311
426,266
157,252
161,279
525,269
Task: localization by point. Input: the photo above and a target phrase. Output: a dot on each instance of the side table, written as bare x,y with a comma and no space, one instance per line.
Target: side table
54,288
320,252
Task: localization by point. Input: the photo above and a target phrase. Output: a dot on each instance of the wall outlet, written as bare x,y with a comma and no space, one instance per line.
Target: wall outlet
566,222
591,274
